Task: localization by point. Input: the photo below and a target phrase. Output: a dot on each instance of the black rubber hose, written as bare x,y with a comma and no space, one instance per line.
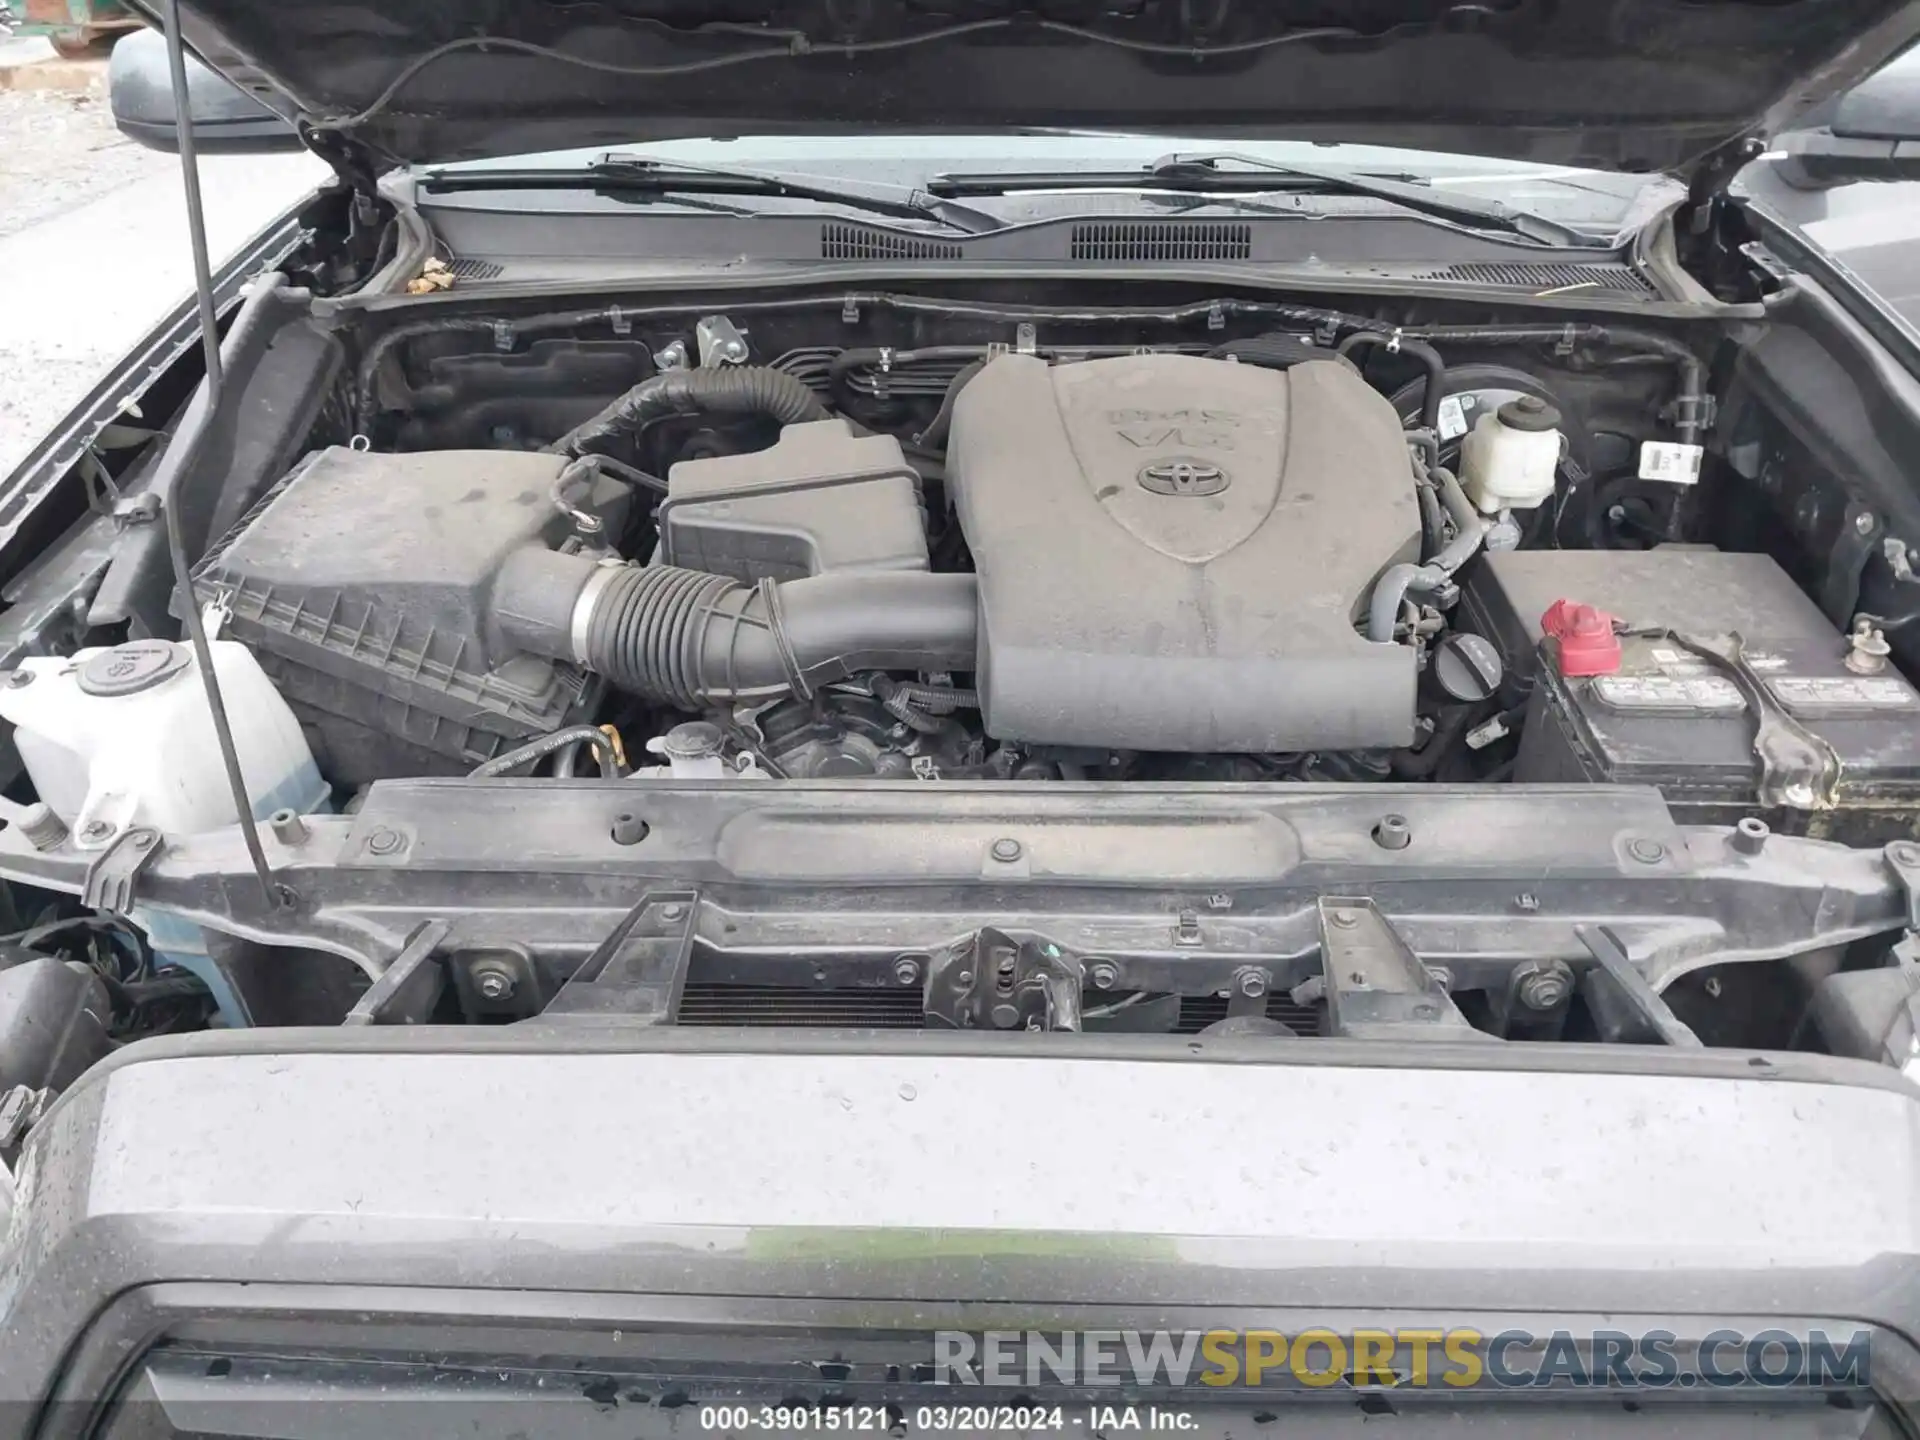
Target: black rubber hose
539,749
721,390
692,640
1428,356
934,437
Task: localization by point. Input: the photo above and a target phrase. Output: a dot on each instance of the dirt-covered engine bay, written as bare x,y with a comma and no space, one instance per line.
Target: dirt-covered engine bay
902,537
760,602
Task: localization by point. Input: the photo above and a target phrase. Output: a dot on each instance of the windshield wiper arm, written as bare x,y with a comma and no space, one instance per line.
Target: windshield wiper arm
1466,209
1202,175
641,174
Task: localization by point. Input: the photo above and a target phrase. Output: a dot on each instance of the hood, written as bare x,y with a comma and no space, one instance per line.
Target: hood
1639,85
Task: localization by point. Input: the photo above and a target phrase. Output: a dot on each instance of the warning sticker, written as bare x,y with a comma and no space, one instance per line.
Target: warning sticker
1805,694
1669,692
1453,418
1672,463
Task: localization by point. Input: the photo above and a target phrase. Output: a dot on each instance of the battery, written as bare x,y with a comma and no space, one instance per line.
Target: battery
1678,721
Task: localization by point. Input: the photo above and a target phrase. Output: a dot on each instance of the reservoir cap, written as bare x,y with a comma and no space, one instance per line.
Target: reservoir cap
130,668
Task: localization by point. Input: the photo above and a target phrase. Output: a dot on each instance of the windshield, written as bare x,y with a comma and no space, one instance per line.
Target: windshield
1587,200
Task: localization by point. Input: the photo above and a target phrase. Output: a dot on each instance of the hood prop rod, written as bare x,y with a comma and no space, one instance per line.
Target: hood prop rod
275,895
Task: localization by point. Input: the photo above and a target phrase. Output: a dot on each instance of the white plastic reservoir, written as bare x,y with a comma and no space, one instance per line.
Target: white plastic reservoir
122,736
1510,457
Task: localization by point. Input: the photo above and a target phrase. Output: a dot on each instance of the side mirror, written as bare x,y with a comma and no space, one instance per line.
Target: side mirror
1870,133
225,118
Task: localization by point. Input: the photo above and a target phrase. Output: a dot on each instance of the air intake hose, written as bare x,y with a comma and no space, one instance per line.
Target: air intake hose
692,640
721,390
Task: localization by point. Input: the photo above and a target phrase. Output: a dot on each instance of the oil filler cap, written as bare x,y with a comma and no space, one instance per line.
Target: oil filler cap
133,667
1584,638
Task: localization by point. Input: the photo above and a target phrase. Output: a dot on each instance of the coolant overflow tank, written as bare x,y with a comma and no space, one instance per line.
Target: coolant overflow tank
119,737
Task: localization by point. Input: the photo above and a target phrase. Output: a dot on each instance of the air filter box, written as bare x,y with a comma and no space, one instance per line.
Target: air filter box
361,582
821,499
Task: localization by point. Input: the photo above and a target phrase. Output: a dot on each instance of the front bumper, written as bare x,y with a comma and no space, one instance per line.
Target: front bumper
747,1178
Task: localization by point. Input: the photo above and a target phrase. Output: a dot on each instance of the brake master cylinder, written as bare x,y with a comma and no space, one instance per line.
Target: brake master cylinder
1509,458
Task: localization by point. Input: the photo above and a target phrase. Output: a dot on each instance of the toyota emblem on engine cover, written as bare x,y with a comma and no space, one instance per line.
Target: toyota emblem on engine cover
1183,476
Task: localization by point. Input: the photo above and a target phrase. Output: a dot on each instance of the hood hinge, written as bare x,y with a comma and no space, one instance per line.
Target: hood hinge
352,163
367,213
1708,183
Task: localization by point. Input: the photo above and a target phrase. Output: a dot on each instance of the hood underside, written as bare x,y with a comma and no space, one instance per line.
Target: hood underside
1617,84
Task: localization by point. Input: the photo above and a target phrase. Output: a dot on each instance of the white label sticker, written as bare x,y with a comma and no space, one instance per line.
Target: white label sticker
1666,657
1667,692
1675,464
1835,692
1453,418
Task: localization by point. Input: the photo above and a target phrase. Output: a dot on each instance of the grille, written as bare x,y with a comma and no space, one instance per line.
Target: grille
1161,240
1199,1011
859,242
780,1007
775,1006
473,269
1614,279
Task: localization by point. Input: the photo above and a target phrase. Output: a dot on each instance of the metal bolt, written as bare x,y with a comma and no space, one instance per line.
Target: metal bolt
1442,976
1343,919
385,842
41,826
96,830
1393,833
1867,649
1647,852
1005,1015
1749,834
1252,983
1006,849
906,970
1904,852
1526,900
1424,1011
1104,974
1544,987
19,678
963,979
1864,522
673,910
492,983
287,826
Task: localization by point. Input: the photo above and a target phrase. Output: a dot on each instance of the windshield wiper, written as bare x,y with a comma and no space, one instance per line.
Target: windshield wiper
1202,175
632,174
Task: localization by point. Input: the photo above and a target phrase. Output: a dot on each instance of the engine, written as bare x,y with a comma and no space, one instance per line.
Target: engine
1170,554
1173,552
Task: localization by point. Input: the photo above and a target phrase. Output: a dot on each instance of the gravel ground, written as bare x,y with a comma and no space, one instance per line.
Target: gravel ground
93,245
58,149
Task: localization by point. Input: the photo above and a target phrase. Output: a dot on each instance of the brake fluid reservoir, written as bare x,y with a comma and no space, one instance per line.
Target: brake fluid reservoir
1508,459
119,737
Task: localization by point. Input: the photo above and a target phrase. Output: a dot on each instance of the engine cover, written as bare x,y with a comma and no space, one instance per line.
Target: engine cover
1173,552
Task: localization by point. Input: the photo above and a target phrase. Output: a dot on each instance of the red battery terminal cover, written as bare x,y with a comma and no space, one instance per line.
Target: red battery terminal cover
1583,637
